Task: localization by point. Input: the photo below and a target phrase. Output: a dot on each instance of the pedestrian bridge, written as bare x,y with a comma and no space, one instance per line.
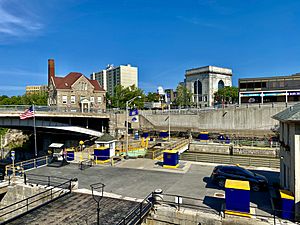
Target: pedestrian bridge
59,119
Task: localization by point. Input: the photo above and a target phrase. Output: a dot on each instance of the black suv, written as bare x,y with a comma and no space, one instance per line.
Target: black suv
221,173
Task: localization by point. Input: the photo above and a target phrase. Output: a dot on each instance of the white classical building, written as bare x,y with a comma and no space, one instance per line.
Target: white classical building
203,82
290,152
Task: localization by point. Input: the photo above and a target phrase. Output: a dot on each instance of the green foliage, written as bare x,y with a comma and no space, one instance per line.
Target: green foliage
227,94
121,95
184,97
37,99
152,97
3,131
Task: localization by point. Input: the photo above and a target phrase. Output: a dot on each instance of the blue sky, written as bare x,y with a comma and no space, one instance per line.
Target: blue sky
162,37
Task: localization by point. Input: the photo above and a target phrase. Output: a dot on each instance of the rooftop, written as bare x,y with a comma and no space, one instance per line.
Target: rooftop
290,114
209,69
67,81
293,76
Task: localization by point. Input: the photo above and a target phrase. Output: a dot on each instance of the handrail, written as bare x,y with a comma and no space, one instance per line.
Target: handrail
22,164
274,213
137,214
26,202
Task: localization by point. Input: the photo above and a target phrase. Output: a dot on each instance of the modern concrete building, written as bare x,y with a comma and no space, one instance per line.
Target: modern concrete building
36,89
270,89
203,82
74,91
125,75
290,152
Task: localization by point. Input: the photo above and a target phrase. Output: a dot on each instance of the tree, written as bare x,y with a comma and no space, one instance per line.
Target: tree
184,97
37,99
152,97
121,95
227,94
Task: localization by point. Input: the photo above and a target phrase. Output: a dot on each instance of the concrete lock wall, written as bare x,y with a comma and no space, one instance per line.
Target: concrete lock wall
165,215
231,119
224,149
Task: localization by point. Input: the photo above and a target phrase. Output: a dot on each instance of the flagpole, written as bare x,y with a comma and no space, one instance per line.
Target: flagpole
34,131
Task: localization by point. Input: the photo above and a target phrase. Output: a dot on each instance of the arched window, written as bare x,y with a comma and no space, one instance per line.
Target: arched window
198,87
220,84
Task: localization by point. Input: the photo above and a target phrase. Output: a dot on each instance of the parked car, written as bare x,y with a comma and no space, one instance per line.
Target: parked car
221,173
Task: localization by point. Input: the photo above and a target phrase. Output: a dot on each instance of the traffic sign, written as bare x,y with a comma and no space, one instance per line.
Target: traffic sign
12,153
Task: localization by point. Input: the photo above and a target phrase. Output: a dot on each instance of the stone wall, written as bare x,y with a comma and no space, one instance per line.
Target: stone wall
237,150
255,121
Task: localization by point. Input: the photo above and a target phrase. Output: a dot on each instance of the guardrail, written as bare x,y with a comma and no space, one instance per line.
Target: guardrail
22,207
226,159
188,111
217,208
22,166
137,214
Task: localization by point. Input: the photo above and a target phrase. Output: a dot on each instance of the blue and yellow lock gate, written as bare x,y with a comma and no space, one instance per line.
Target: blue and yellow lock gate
237,194
70,155
102,154
203,136
287,204
171,159
145,134
163,134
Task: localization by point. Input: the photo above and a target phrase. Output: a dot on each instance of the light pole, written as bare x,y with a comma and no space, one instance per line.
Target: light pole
99,187
127,104
169,121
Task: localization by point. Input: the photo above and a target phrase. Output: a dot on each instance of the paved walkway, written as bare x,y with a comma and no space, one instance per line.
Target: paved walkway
137,178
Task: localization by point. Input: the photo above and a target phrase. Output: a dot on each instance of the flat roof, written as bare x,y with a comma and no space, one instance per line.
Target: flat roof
209,69
237,184
296,75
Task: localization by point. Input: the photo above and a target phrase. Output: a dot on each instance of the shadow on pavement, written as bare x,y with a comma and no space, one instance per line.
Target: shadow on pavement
213,203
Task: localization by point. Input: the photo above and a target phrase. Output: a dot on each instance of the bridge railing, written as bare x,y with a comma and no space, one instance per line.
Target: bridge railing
37,108
22,166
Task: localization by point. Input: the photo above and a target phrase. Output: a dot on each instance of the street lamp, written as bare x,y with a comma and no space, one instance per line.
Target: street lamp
127,104
98,187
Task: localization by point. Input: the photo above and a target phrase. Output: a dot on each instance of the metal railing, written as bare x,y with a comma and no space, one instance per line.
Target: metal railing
226,159
38,108
22,166
22,207
180,201
138,213
181,111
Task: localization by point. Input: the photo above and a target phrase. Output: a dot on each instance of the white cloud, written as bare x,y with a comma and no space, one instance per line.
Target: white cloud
16,20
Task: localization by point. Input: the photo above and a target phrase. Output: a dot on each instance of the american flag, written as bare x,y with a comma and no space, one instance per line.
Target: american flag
27,114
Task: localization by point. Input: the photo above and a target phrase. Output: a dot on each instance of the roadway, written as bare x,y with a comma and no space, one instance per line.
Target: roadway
137,178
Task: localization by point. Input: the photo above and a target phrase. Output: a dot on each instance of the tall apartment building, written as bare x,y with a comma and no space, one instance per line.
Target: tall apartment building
125,75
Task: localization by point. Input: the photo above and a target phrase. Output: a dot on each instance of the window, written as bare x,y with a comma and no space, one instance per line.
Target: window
99,99
73,99
64,99
92,99
220,84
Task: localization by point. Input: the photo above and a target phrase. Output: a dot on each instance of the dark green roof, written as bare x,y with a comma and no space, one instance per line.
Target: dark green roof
290,114
105,138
